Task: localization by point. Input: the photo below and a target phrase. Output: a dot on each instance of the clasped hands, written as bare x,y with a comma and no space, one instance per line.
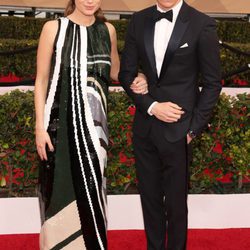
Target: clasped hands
166,111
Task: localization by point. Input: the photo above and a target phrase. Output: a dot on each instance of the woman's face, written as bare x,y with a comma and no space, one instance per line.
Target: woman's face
87,7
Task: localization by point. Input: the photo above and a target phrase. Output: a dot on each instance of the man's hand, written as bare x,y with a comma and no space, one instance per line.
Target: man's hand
189,139
140,85
167,112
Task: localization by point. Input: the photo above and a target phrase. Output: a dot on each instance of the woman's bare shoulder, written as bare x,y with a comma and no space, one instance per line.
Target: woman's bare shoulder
110,27
50,27
49,31
112,31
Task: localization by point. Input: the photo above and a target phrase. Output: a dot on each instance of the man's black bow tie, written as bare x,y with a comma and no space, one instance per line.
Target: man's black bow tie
159,15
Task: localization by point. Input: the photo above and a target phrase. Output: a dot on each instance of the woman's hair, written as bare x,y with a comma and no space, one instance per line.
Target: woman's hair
71,7
100,16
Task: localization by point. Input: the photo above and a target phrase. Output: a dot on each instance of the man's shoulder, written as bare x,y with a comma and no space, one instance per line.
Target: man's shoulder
145,12
198,15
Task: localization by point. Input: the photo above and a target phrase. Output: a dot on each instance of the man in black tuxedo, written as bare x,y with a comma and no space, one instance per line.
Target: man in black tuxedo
175,45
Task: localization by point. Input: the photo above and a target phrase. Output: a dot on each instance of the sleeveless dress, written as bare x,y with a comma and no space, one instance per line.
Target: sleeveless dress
71,182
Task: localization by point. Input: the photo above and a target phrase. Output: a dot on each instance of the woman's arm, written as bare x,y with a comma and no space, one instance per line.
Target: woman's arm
44,54
139,85
115,61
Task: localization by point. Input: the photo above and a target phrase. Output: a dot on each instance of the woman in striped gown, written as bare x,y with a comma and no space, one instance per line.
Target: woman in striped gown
77,55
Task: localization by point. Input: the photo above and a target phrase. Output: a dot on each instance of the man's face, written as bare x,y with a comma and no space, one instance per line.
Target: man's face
167,4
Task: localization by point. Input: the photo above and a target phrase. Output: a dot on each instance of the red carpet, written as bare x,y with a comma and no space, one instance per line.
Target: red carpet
227,239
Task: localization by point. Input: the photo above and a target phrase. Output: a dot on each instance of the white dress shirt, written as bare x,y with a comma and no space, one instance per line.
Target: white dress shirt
163,32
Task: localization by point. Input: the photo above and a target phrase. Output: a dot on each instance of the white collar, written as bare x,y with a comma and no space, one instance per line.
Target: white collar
175,9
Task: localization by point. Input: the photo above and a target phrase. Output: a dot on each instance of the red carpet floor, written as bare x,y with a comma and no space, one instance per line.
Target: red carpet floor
227,239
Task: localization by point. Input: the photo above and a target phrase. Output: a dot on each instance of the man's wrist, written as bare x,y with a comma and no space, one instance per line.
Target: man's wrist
151,107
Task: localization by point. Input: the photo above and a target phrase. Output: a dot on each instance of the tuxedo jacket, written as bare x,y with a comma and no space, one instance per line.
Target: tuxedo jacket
192,56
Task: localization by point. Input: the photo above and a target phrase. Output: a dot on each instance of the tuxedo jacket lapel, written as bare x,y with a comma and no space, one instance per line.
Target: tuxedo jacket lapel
149,42
175,39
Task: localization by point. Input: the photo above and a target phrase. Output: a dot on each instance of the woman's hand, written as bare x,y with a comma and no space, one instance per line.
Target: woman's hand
140,85
43,139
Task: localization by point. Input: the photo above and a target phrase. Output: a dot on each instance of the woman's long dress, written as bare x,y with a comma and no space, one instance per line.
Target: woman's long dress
72,183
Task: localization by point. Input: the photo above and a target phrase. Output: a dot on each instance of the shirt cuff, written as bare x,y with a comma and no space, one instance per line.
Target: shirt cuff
150,108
